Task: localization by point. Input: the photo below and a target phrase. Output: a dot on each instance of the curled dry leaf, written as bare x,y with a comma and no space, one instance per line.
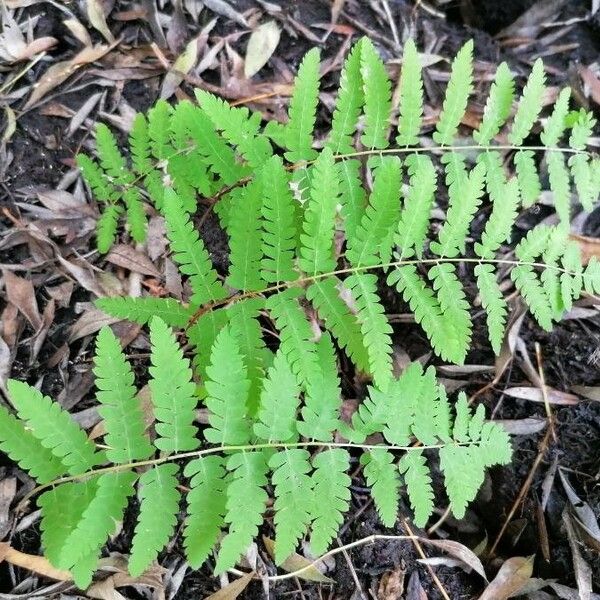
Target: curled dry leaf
261,45
535,395
296,562
97,19
232,590
511,578
391,585
458,551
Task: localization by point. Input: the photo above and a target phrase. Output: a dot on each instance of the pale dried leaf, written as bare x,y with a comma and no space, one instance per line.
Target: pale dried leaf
97,18
527,426
221,7
127,257
511,578
182,66
460,552
37,564
261,45
535,395
232,590
20,293
78,31
583,572
391,586
90,321
588,392
296,562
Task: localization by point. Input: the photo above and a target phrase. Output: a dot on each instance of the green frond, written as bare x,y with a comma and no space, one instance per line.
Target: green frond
97,180
323,397
582,130
245,504
557,121
331,490
172,391
414,218
245,237
278,223
463,476
493,303
243,320
582,178
550,277
591,276
119,407
159,117
205,507
159,506
303,109
373,324
571,282
377,91
99,520
420,391
352,195
136,217
530,288
202,335
54,428
500,223
227,387
189,252
495,175
324,294
26,450
316,251
278,403
413,467
427,311
380,217
410,108
453,303
106,227
348,105
139,145
382,477
464,202
560,185
141,310
530,104
238,126
111,159
294,499
494,445
528,177
459,88
498,106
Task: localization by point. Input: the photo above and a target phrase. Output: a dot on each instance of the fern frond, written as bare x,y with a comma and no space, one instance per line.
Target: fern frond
54,428
26,450
159,117
279,226
571,282
136,217
352,195
414,218
110,157
378,97
244,232
459,88
159,506
227,387
97,180
331,490
498,105
380,218
382,477
205,507
141,310
324,294
493,303
316,251
349,103
106,227
189,252
246,500
582,178
373,324
239,127
294,499
323,398
463,206
410,108
172,391
530,104
413,466
560,185
99,520
303,109
557,122
202,335
139,145
119,407
582,130
278,403
528,177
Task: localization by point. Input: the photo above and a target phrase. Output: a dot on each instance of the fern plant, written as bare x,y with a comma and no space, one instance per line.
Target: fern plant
229,466
316,230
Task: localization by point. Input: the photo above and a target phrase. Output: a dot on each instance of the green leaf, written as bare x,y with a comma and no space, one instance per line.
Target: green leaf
413,466
158,129
493,303
382,477
159,507
106,228
119,407
560,185
172,391
557,122
410,108
530,104
141,310
528,177
352,195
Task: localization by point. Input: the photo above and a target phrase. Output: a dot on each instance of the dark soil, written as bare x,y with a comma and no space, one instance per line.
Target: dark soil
570,353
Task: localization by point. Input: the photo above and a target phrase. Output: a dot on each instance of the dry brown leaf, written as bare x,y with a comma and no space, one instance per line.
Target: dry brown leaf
588,392
6,360
21,294
511,578
296,562
184,63
535,395
221,7
336,8
261,45
37,564
97,18
525,426
583,572
78,30
232,590
591,83
459,551
90,321
391,586
132,260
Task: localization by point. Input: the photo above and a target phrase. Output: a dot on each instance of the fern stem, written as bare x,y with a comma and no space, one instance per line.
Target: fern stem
350,270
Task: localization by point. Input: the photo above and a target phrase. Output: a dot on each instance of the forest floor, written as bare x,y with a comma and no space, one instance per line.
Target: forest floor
60,74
